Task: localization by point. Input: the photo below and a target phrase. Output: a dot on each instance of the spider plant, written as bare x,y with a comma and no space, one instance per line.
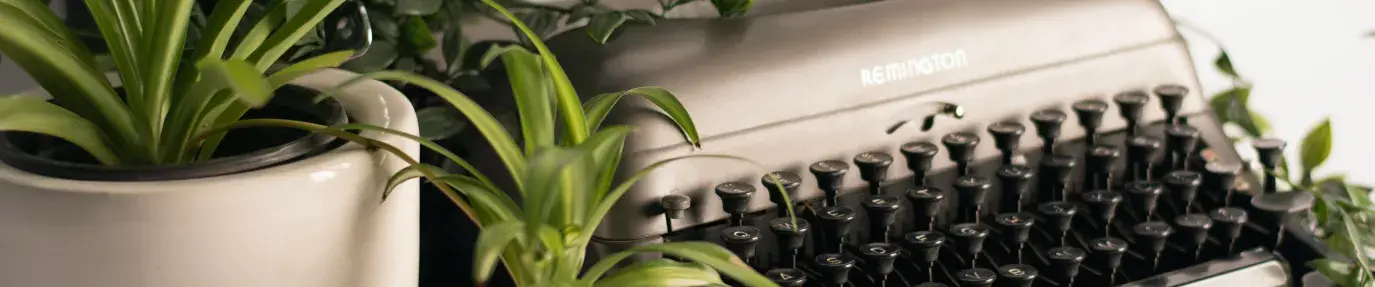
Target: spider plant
564,176
162,94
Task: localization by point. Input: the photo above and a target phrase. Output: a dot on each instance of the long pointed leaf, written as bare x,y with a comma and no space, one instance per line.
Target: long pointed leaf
605,149
543,175
161,56
233,76
532,98
66,77
486,199
224,19
570,106
490,243
262,28
501,141
308,66
39,116
122,33
600,106
291,32
711,254
433,146
45,16
405,174
664,273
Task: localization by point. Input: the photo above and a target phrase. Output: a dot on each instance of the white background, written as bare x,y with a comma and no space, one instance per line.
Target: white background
1308,59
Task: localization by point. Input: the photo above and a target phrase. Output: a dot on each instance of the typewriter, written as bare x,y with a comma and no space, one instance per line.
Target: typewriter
944,143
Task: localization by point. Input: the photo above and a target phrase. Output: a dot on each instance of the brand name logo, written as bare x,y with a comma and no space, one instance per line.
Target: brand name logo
912,68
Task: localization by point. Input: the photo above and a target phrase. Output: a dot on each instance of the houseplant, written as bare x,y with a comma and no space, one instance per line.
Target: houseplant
1343,214
106,185
565,179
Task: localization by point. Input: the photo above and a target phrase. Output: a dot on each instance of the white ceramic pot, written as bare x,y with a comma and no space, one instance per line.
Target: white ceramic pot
317,221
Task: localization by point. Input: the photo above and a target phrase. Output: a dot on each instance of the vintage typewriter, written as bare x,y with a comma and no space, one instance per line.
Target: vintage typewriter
944,143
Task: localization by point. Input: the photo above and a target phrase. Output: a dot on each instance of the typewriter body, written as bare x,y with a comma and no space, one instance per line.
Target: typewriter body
963,143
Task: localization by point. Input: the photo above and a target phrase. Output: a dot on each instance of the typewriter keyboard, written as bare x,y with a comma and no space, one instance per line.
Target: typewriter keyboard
1108,209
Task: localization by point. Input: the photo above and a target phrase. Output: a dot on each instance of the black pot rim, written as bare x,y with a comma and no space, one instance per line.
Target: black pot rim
288,152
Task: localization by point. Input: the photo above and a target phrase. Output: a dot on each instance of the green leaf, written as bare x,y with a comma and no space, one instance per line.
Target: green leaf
378,57
532,96
224,19
72,81
385,26
600,106
438,123
1317,145
455,46
663,272
603,25
544,183
162,55
38,116
291,32
583,11
417,36
235,77
707,253
1333,270
568,103
262,28
485,197
494,53
604,206
496,135
1224,65
490,243
642,16
605,147
302,68
433,146
732,8
417,7
408,173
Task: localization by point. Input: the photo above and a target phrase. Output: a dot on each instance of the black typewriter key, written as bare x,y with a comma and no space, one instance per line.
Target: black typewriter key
1098,165
1171,99
1054,177
675,207
1059,215
960,146
969,238
1017,275
787,277
735,200
1151,237
878,259
741,240
919,156
790,239
834,268
1183,185
1180,141
1048,124
873,168
1065,261
1141,153
882,212
926,204
1090,113
976,277
836,221
1103,204
1007,137
1130,104
1194,228
926,247
1107,253
830,176
1013,180
1228,224
1016,230
1270,152
1144,196
789,182
1281,207
971,190
1221,179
